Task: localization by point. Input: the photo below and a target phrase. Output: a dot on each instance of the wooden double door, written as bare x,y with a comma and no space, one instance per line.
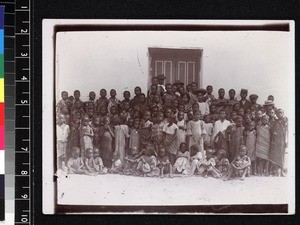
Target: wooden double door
176,64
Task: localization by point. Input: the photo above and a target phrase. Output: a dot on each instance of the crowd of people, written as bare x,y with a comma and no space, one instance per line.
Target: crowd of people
171,129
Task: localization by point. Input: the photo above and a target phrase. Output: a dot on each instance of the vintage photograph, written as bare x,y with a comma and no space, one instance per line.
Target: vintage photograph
170,117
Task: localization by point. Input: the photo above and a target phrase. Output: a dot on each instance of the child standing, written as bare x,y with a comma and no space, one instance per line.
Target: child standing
236,138
145,129
196,131
157,131
279,137
106,142
181,124
75,134
263,139
102,101
170,141
250,139
134,140
203,106
121,136
208,126
113,100
86,136
96,129
62,134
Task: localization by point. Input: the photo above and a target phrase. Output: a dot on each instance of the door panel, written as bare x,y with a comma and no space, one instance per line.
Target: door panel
182,71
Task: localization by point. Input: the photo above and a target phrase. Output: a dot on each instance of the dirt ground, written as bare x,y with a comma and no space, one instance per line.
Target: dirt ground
114,189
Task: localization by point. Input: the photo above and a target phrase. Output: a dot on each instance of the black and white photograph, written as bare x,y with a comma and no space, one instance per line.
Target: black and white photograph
196,116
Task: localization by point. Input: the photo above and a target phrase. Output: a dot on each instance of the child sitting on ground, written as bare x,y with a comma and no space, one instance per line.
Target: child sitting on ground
182,164
131,162
241,164
147,162
163,163
98,163
208,165
222,163
89,162
75,163
196,159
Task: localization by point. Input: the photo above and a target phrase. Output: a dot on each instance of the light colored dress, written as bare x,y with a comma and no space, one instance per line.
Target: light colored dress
204,108
121,133
182,162
134,140
181,132
196,130
209,131
62,134
86,141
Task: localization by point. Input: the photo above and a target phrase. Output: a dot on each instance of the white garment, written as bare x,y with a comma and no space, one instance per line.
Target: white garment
62,132
220,126
204,108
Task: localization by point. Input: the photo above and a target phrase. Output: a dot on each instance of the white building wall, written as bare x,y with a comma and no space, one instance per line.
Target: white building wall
259,61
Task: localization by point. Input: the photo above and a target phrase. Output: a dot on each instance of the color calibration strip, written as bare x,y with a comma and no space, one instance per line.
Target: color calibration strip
2,137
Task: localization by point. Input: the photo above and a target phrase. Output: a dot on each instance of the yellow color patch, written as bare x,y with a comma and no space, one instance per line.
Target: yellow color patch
1,89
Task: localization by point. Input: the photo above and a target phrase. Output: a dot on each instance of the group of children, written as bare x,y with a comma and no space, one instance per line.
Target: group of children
171,129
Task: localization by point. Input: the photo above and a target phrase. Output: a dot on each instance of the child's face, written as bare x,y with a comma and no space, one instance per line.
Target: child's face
180,115
147,115
77,116
231,94
197,116
183,147
153,89
271,113
233,115
169,88
64,110
209,90
253,100
89,153
137,91
154,111
61,120
75,153
76,125
77,95
258,114
221,93
181,89
162,152
213,108
200,97
195,107
126,95
243,95
214,119
185,99
64,95
222,115
175,104
77,104
251,126
96,121
264,120
160,117
136,124
92,95
103,93
130,122
188,88
107,121
190,115
168,113
85,121
242,151
279,114
134,151
174,88
271,98
155,81
247,118
239,122
113,110
194,87
207,119
142,99
96,152
90,112
156,98
113,93
236,107
252,113
241,112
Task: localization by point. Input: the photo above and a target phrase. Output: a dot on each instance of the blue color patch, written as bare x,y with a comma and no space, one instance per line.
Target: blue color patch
1,42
